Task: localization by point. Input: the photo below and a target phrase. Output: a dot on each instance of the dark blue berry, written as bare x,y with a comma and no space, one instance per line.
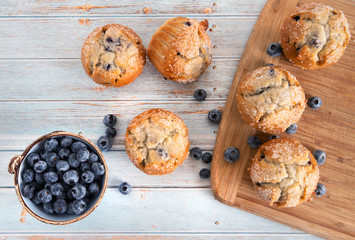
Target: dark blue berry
32,159
50,177
52,159
87,176
43,153
40,166
200,95
94,189
35,199
274,49
79,206
269,64
28,191
71,177
70,208
60,175
57,189
188,24
98,168
85,166
207,157
78,191
321,190
110,120
62,165
314,102
66,142
48,186
231,154
64,153
111,132
76,146
70,195
60,206
28,175
45,196
205,173
104,143
254,141
215,116
39,178
48,208
82,155
125,188
93,158
273,137
320,156
195,153
63,195
291,129
51,145
73,162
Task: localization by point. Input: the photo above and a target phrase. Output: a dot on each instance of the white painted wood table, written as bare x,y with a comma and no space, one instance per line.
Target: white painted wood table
44,88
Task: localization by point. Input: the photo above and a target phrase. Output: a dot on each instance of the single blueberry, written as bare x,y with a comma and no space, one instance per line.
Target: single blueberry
70,208
60,206
321,190
94,188
40,166
111,132
320,156
51,145
200,95
50,177
215,116
207,157
205,173
64,153
78,191
43,153
85,166
45,196
82,155
57,189
291,129
48,208
32,159
52,159
28,175
79,207
62,165
87,176
71,177
98,168
231,154
125,188
273,137
104,143
93,158
66,142
314,102
35,199
28,191
39,178
73,161
76,146
195,153
110,120
254,141
274,49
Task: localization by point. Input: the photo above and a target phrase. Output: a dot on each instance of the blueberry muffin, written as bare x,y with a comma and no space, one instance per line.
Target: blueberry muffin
157,141
180,49
284,173
270,99
113,55
314,36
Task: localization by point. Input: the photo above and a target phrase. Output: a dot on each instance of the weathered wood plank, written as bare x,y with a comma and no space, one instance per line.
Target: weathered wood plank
127,7
65,79
145,211
23,122
121,169
63,37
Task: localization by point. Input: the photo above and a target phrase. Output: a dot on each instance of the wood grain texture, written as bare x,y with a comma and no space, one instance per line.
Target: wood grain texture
330,128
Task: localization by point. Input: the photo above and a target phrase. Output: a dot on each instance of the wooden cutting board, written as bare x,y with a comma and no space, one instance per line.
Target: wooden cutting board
330,128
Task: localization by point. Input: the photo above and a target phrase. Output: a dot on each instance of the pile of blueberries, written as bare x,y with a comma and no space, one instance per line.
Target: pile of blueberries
64,176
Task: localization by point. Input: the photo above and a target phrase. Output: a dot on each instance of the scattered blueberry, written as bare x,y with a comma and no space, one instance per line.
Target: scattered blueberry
50,177
79,206
320,156
51,145
111,132
71,177
273,137
110,120
60,206
231,154
196,153
28,191
125,188
57,189
104,143
76,146
28,175
314,102
200,95
321,190
39,178
87,176
66,142
40,166
78,191
62,165
254,141
291,129
64,153
98,168
83,155
94,188
207,157
274,49
205,173
73,162
45,196
52,159
48,208
93,158
215,116
32,159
